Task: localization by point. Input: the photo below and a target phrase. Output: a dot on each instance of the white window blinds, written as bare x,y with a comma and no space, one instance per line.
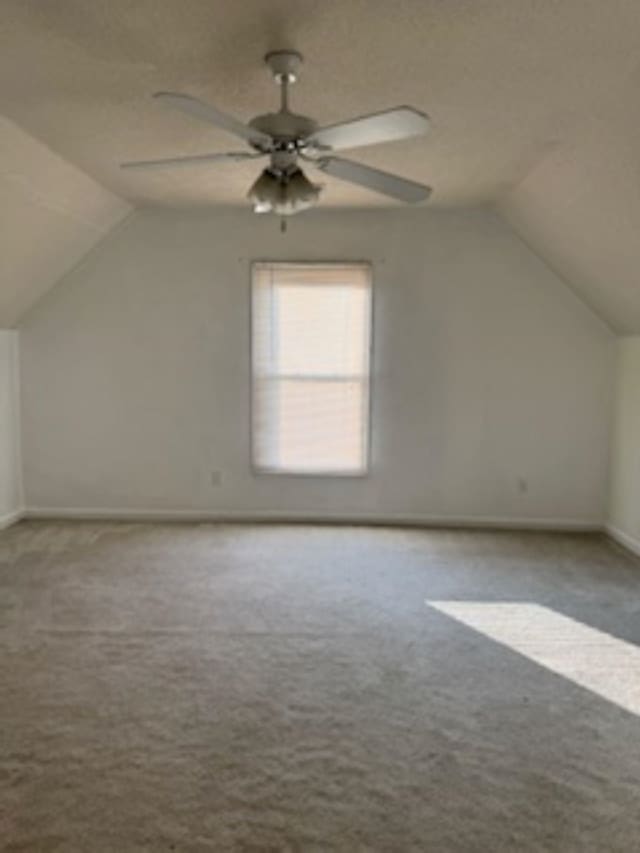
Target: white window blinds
311,340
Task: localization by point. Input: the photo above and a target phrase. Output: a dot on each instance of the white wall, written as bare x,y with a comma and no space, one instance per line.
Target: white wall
11,498
491,389
624,507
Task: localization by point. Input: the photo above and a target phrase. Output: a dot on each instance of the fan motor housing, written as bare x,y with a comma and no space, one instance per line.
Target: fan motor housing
285,127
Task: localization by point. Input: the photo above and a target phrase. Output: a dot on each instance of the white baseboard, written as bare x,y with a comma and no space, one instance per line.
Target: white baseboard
11,518
629,542
310,517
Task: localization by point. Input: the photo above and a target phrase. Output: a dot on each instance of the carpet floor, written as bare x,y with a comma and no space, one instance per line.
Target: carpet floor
271,688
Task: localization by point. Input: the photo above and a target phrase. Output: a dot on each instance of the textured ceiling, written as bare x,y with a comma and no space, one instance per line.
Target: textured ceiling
51,214
502,79
534,105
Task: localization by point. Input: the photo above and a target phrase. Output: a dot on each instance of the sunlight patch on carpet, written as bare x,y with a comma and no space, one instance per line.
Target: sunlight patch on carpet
591,658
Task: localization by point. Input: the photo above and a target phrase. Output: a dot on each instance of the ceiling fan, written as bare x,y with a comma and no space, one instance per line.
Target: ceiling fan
287,139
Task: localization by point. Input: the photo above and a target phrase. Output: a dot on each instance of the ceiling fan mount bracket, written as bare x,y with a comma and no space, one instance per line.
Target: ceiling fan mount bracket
284,65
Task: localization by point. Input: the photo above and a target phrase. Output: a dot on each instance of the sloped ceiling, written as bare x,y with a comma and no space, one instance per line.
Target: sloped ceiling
51,214
533,107
580,209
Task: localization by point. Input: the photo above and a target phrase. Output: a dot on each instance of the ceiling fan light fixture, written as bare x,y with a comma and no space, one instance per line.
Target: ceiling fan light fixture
265,192
284,193
301,189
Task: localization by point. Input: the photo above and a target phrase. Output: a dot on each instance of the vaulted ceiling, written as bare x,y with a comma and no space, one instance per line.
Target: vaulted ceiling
533,104
51,214
579,208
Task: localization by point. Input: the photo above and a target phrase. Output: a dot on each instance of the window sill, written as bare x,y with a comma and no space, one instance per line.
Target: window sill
311,475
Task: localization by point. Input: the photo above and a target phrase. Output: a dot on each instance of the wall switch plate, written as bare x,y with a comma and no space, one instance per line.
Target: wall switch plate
216,478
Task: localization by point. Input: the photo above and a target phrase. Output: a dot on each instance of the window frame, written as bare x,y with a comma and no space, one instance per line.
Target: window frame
361,474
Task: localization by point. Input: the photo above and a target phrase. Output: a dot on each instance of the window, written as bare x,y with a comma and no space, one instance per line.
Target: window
311,335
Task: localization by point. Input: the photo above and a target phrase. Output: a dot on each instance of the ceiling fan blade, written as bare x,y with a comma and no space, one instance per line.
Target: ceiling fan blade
205,112
373,179
195,160
397,123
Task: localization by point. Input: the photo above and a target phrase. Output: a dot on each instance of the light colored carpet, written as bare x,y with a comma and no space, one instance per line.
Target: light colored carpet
212,688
